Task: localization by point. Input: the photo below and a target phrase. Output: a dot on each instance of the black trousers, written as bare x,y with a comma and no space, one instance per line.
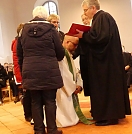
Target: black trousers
27,104
47,98
14,87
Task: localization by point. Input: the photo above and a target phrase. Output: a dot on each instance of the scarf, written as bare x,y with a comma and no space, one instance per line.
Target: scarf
75,99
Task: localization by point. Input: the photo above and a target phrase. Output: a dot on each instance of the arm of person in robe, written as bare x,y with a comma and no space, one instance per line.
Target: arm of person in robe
69,84
76,53
60,52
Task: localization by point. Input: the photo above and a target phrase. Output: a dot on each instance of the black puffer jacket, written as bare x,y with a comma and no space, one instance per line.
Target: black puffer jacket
39,49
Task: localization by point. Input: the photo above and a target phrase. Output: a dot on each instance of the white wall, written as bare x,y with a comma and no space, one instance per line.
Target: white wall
122,12
1,44
7,20
24,10
69,12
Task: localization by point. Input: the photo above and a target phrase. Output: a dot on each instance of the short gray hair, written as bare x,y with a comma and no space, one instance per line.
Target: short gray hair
89,3
40,12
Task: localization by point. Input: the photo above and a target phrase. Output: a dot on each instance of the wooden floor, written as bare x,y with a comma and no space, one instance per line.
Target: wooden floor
12,121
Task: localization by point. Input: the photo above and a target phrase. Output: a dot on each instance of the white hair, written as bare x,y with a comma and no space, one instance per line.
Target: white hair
40,12
91,3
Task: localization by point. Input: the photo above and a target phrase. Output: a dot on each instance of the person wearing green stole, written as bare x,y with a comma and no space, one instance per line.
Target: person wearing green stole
68,109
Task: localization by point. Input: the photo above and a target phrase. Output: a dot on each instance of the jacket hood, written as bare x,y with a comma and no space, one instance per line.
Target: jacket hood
37,27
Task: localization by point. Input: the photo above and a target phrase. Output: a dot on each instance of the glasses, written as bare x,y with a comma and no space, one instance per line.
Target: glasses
85,10
55,22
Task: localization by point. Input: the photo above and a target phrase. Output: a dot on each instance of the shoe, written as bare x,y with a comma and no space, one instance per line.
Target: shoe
16,99
32,122
58,132
28,119
106,122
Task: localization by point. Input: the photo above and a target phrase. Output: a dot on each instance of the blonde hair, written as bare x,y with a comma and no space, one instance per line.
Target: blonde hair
19,28
40,12
89,3
83,15
85,19
53,16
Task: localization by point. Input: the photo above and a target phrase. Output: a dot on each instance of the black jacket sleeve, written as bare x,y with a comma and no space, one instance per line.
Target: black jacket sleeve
60,52
19,53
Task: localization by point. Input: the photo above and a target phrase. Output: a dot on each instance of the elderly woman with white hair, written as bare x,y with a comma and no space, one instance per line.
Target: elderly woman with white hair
39,49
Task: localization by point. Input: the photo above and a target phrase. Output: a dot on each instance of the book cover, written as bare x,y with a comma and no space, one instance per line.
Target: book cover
74,26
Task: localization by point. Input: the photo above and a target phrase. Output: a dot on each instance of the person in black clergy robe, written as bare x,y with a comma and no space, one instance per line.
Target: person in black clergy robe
104,66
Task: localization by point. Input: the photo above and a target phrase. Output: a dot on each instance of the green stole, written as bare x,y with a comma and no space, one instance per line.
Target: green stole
76,105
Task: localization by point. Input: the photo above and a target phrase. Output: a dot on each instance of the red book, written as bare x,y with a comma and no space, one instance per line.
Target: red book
74,26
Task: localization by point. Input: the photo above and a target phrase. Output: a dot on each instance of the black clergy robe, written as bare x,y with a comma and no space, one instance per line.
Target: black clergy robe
102,68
